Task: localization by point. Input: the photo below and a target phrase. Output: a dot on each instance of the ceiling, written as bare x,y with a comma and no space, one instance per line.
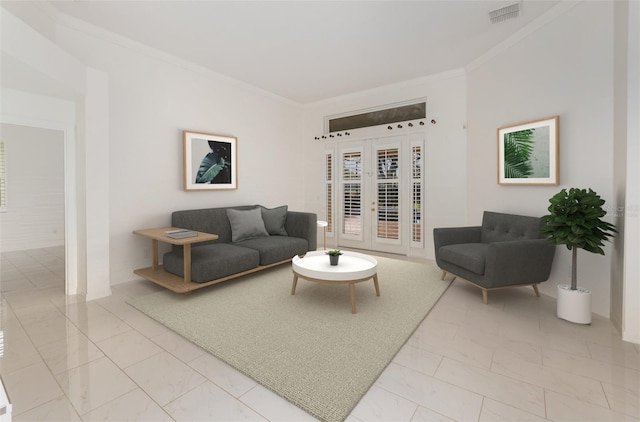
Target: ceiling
307,51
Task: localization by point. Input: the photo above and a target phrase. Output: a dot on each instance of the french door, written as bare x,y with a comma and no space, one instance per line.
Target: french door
380,194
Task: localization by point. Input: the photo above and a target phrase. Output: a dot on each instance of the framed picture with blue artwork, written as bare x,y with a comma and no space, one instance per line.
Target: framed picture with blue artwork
528,153
210,161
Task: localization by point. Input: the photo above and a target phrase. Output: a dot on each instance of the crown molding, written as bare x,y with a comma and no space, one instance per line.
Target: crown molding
410,83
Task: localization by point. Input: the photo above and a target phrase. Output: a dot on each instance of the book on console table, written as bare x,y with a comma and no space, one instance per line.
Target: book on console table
180,234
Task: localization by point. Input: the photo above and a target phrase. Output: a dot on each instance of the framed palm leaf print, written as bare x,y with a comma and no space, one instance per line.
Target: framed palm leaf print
210,161
528,153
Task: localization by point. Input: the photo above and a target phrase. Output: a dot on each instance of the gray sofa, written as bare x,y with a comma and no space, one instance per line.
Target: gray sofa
248,240
507,250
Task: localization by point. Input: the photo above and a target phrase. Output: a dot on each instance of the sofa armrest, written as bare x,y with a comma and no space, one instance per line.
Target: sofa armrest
519,261
455,235
303,225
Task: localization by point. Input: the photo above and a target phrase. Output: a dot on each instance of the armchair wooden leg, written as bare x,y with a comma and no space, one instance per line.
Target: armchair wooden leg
485,296
535,289
444,274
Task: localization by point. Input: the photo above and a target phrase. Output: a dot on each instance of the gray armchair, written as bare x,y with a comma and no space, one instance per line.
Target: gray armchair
507,250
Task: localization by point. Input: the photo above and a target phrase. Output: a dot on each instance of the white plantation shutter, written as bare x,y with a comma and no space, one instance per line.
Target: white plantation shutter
388,194
416,191
352,193
329,190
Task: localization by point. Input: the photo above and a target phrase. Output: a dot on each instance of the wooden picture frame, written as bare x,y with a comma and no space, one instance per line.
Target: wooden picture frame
209,161
528,153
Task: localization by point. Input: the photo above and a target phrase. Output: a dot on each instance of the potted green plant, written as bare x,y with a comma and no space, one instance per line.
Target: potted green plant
575,220
334,255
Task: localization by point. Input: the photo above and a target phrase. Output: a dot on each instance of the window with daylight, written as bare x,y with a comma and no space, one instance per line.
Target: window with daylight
377,116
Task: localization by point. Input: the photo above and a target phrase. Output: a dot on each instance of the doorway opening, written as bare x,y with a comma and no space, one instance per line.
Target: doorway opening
32,222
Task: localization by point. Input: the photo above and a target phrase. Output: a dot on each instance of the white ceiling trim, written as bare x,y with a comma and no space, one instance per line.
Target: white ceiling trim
391,88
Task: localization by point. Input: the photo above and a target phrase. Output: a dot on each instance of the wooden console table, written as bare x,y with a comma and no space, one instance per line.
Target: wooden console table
156,273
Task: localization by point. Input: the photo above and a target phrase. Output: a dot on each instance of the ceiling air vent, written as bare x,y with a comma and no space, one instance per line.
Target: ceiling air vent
504,13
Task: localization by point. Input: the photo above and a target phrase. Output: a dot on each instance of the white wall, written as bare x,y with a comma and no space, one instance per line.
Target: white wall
564,68
445,156
94,169
631,287
34,217
43,86
620,94
152,99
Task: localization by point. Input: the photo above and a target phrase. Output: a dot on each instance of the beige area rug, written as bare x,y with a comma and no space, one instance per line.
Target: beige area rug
308,348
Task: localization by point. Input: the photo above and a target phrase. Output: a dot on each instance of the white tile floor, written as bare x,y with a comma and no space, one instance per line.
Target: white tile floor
509,360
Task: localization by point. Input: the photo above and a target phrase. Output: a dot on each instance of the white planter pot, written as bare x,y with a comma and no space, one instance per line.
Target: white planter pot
574,305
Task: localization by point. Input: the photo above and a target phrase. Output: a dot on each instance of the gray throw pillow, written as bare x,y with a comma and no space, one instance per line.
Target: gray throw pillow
246,224
274,219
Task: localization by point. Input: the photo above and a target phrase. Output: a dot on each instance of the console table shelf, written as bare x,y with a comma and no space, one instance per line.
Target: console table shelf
157,274
167,280
177,284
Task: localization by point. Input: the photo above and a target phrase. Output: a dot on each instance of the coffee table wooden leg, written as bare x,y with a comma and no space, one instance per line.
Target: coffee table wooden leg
375,283
295,283
352,293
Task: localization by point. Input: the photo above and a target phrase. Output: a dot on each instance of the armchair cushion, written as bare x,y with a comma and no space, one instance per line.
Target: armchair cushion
471,256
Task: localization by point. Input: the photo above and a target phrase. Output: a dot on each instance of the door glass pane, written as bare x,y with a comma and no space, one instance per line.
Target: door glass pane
417,221
352,188
351,222
388,163
388,206
416,230
387,195
416,160
352,166
329,191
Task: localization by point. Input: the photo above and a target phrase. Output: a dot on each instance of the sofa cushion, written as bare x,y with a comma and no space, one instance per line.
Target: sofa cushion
470,256
276,248
208,220
274,219
213,261
246,224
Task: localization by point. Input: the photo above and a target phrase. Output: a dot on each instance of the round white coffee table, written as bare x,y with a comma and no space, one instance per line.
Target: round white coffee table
352,268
